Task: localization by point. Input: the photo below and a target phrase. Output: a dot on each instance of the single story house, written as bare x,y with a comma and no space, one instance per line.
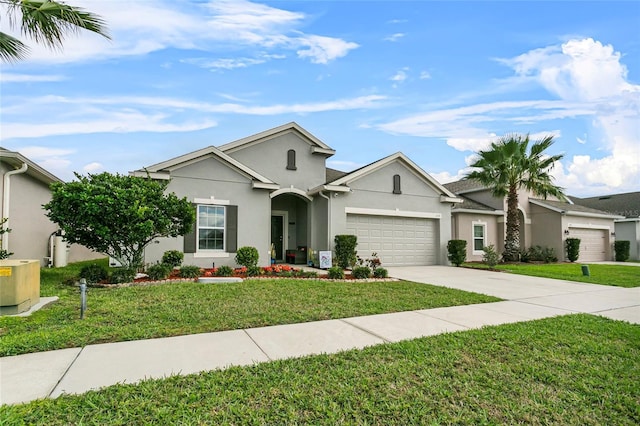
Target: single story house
626,205
481,221
24,189
273,191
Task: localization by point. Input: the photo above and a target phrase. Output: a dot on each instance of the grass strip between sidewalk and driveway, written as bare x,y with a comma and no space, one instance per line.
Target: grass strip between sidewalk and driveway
172,309
576,369
614,275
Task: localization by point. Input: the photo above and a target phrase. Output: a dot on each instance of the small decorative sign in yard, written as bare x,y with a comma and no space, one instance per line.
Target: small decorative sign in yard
325,259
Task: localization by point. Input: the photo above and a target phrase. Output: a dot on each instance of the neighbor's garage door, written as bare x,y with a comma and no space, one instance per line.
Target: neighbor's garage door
397,240
593,243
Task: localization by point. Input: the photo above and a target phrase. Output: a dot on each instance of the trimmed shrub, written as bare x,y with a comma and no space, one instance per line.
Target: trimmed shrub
361,272
457,251
253,271
622,250
123,275
542,254
190,271
573,249
525,256
247,256
380,273
94,273
173,258
224,271
490,256
336,273
346,250
159,271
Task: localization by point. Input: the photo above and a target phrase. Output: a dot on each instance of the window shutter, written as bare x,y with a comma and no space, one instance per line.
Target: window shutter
232,229
291,160
190,237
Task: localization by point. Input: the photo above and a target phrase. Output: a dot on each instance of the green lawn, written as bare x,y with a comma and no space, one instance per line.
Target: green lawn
578,369
616,275
186,308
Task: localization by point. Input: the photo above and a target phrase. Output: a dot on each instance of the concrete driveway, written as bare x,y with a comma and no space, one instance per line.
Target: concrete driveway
609,301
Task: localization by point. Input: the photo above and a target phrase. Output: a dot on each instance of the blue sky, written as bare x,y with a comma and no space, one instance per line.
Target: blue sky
435,80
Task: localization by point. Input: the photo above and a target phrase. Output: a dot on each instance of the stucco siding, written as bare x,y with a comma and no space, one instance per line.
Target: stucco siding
211,179
547,230
269,158
375,191
629,230
462,224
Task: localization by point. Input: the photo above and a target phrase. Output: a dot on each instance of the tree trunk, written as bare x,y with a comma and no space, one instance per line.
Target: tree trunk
512,240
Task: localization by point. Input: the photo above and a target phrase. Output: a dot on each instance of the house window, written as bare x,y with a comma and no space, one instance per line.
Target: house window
291,160
211,225
396,184
479,233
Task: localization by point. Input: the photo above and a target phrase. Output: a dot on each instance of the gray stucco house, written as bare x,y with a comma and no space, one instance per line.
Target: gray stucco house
24,188
274,192
481,221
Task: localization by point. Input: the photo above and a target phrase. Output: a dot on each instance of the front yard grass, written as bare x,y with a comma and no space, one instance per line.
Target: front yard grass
173,309
616,275
577,369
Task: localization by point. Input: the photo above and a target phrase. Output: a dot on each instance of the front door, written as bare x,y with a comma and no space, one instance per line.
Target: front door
277,236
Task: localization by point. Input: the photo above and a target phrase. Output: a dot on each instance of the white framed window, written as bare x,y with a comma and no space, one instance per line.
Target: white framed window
479,237
211,228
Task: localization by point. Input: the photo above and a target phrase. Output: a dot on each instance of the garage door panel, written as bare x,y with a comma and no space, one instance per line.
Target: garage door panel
593,243
396,240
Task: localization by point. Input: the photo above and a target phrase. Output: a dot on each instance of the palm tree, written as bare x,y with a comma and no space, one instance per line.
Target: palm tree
506,168
47,22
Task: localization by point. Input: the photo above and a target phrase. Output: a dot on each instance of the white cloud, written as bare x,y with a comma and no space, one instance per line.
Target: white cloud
203,26
424,75
142,114
322,50
54,160
401,75
93,168
588,71
7,77
587,80
394,37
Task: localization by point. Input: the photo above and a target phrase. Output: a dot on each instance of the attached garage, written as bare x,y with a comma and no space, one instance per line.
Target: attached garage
594,243
398,241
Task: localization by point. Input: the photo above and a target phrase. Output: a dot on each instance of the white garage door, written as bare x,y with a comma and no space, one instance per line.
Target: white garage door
593,243
397,240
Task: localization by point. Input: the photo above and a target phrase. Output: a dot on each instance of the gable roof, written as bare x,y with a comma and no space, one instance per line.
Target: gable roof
573,209
333,174
17,160
162,170
317,146
398,156
627,204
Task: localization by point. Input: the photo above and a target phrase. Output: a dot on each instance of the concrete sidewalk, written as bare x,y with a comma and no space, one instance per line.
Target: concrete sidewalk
50,374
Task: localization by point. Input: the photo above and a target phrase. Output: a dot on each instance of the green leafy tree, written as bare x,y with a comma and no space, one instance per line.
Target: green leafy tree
45,21
509,165
118,215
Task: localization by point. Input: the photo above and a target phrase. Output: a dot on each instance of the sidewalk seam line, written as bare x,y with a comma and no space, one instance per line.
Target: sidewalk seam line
344,320
65,372
256,343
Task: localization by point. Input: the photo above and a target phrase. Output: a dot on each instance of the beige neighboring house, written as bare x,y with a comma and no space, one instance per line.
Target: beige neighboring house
24,188
627,205
481,221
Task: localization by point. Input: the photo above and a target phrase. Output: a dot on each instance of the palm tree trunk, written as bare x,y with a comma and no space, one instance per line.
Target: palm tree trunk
512,240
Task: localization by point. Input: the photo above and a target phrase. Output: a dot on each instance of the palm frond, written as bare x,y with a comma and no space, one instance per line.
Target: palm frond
12,49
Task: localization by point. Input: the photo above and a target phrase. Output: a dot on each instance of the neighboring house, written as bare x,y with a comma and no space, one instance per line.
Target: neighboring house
627,205
25,188
274,192
481,221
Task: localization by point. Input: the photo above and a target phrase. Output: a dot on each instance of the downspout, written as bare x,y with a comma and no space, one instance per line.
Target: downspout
328,218
6,189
